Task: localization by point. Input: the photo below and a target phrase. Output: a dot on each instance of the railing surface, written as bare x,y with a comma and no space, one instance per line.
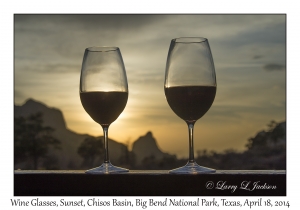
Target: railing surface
149,183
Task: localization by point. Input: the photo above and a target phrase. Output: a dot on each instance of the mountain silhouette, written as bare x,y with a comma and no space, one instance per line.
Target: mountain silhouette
67,157
52,117
146,146
266,150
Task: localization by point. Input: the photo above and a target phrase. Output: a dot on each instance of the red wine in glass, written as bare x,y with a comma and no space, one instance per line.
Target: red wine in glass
103,93
190,102
190,88
104,107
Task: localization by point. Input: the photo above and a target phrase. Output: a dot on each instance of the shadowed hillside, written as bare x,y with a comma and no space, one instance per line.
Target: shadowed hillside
67,157
145,147
266,150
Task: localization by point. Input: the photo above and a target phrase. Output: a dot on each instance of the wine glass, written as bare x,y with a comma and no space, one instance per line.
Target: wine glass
190,88
103,93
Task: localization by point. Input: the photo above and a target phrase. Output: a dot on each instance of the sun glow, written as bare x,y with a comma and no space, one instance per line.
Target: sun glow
249,95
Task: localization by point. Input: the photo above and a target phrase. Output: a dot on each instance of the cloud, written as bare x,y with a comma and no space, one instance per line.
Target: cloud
18,94
48,53
48,68
89,21
274,67
257,57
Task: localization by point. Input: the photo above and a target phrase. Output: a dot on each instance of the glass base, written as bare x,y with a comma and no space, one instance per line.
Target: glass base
192,168
106,168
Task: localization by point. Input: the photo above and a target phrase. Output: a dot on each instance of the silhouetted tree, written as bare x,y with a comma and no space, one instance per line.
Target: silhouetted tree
266,150
32,139
268,139
90,149
277,131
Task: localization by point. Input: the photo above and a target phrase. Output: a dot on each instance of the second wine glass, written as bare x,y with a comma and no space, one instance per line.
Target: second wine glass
190,88
103,93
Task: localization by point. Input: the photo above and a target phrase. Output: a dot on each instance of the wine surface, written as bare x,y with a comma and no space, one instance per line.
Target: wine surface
104,107
190,102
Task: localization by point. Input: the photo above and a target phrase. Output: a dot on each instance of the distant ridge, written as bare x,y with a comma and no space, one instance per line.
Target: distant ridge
70,141
68,158
146,146
52,117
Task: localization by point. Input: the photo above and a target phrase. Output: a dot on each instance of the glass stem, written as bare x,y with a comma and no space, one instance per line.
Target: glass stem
105,133
191,141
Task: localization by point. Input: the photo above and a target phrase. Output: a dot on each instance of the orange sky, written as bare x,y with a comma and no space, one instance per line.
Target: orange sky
248,51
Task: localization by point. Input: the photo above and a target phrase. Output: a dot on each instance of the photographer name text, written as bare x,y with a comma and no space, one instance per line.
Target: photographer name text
245,185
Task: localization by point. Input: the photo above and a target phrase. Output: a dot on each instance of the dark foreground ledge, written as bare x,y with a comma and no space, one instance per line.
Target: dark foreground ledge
149,183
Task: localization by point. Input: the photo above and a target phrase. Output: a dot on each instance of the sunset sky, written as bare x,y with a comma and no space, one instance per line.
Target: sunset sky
249,53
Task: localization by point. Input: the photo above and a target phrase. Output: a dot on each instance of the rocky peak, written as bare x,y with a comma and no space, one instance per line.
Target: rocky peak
146,146
52,117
